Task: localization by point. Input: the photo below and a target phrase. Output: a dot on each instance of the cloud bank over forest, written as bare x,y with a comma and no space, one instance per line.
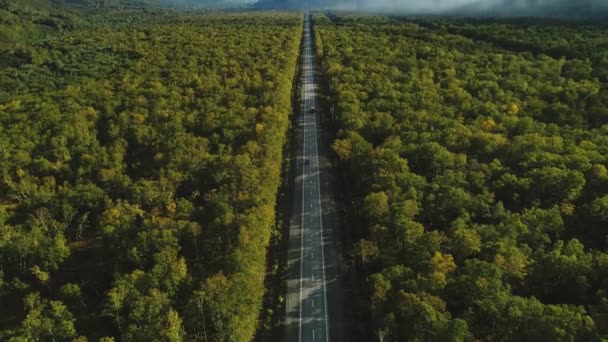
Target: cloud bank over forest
518,8
458,7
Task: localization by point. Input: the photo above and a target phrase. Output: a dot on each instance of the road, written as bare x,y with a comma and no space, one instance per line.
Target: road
313,301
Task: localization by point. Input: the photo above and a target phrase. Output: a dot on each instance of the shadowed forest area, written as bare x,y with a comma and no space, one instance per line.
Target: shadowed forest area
476,154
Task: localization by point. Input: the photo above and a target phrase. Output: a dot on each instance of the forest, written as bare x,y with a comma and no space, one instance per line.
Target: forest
574,40
140,155
476,155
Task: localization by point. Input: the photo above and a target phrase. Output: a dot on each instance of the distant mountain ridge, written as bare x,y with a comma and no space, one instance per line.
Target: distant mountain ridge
47,5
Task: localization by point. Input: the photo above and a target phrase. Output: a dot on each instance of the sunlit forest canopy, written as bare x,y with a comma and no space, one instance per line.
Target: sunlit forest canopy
476,154
140,156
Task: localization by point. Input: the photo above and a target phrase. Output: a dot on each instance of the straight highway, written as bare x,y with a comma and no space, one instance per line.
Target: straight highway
312,303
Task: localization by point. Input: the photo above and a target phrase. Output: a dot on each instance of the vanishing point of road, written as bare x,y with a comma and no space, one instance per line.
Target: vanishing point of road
313,297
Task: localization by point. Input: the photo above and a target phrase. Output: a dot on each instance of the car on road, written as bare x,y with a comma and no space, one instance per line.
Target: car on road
306,162
313,109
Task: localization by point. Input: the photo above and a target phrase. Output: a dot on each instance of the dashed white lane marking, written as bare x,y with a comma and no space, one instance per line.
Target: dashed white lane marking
309,92
305,95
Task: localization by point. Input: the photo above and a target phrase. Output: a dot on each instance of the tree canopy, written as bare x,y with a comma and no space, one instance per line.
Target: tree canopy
140,156
477,172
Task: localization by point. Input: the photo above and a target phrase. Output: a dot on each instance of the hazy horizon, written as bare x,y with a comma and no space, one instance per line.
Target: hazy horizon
449,7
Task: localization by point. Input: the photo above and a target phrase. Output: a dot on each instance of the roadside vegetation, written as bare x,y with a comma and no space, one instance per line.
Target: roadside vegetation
140,156
478,174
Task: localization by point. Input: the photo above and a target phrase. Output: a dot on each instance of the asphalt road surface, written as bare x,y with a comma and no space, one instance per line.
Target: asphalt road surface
313,299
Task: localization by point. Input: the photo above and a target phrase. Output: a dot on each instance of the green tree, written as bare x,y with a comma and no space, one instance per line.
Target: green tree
46,320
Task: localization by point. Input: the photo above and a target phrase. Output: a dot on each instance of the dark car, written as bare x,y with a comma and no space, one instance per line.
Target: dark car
313,109
306,162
